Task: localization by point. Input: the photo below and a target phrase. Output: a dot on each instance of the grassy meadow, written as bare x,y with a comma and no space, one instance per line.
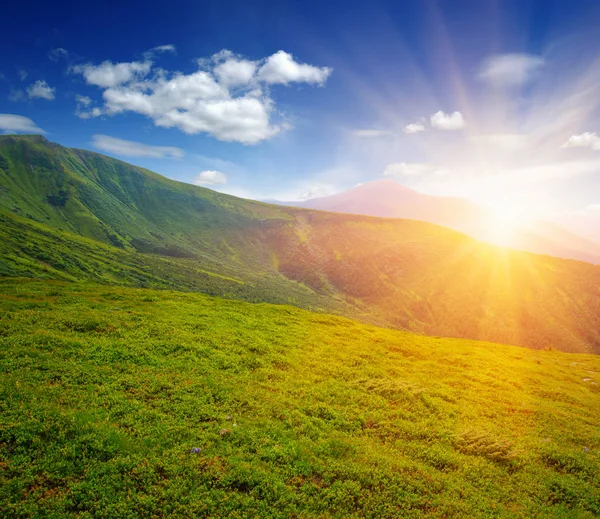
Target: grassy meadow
124,402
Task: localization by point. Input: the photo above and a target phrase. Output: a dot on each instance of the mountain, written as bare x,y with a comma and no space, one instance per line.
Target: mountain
549,238
386,198
80,216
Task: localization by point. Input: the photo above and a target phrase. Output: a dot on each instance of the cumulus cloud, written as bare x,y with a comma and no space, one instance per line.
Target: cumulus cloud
583,140
10,123
225,98
510,69
134,149
283,69
22,74
109,74
444,121
210,178
233,72
404,169
414,128
40,90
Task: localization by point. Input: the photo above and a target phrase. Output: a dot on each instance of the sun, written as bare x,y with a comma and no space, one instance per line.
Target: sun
504,225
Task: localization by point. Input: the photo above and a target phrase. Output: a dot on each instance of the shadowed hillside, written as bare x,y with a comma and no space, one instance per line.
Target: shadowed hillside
77,215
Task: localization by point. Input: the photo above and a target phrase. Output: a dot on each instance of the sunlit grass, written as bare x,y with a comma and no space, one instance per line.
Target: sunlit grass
106,391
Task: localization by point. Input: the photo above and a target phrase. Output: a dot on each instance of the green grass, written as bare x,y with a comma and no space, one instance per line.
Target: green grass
105,391
30,249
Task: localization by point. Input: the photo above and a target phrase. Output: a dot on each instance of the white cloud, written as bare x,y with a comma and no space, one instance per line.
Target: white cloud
10,123
444,121
164,48
414,128
210,178
370,134
200,102
84,108
583,140
83,100
234,72
244,119
159,49
316,190
57,54
510,69
109,74
22,74
218,57
281,68
40,90
404,169
134,149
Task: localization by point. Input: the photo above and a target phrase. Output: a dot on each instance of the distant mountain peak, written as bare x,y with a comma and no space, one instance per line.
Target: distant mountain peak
388,198
383,183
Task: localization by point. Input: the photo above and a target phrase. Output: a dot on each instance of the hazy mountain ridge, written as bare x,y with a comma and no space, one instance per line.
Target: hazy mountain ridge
388,199
75,215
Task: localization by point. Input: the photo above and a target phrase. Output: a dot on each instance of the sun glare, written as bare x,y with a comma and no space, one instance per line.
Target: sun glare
504,225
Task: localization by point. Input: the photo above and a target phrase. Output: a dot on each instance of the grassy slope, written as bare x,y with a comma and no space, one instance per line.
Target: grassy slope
105,391
30,249
108,200
427,279
151,231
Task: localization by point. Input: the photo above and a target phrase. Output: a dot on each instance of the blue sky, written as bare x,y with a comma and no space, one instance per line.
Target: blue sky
496,101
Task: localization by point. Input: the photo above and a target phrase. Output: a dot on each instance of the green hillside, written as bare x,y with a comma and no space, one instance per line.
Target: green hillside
30,249
76,215
105,392
105,199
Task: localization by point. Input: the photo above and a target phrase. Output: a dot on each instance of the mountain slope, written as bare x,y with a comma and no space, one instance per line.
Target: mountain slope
386,198
108,200
77,215
105,392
